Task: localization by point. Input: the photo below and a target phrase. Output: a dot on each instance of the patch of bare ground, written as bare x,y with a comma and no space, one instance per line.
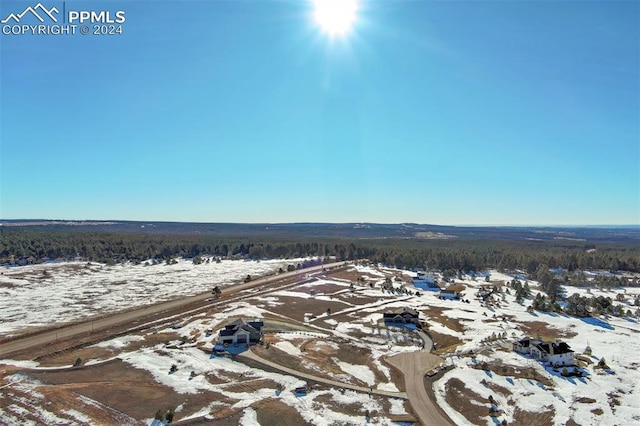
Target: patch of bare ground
499,389
473,407
87,353
443,342
370,277
407,407
360,356
228,376
152,340
321,289
296,307
436,313
513,371
397,378
272,411
251,385
572,422
318,349
30,401
29,407
327,370
531,418
215,378
457,287
126,389
320,359
352,316
544,330
585,400
357,299
67,358
274,323
346,274
403,278
597,411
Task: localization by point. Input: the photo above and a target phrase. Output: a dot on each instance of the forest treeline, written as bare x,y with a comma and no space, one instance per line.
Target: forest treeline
26,246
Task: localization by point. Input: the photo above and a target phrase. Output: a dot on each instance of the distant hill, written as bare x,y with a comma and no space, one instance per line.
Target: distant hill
621,234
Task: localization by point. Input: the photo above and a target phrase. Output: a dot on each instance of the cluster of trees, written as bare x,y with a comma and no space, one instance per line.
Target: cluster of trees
522,291
26,245
582,306
580,279
550,282
544,304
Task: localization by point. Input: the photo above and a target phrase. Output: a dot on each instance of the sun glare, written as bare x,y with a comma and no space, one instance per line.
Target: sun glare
335,17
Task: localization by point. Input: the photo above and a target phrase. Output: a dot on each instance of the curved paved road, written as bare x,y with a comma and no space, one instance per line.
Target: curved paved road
41,339
414,366
428,343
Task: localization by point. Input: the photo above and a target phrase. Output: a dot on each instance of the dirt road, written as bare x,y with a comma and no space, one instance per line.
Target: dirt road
414,366
41,339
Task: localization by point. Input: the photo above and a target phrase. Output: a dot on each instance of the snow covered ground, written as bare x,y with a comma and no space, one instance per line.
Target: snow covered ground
31,296
614,393
601,397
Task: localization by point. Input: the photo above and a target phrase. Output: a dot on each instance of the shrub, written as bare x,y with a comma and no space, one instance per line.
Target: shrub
169,416
159,415
603,364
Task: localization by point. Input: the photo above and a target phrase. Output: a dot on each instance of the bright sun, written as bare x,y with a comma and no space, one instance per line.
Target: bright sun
335,16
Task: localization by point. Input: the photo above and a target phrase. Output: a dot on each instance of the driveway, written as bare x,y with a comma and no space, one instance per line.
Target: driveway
414,366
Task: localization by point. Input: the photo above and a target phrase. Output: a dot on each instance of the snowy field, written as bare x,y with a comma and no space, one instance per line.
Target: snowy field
614,392
31,296
485,332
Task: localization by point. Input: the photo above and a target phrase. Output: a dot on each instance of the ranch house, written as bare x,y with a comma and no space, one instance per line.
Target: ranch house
239,332
402,316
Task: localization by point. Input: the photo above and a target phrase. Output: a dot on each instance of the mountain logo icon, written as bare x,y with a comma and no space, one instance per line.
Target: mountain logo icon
43,11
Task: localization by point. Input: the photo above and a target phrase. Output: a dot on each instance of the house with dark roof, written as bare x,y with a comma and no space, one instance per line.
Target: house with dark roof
402,316
523,346
555,353
449,295
240,332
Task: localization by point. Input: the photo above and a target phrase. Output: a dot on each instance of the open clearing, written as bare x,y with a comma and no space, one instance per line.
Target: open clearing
69,291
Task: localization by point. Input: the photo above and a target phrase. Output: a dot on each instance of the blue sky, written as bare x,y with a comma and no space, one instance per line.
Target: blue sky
245,111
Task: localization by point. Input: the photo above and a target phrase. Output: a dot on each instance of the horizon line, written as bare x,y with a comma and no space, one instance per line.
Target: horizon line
466,225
